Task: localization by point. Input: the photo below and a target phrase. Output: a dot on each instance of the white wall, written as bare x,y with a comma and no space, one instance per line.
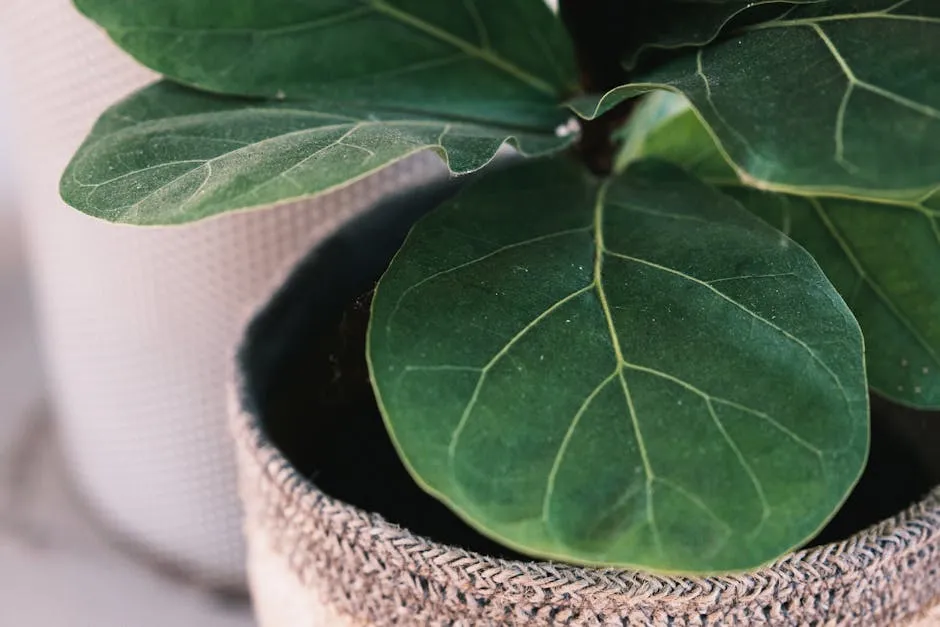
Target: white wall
11,249
5,181
5,125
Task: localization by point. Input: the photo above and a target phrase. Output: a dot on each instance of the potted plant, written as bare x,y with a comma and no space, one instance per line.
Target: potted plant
617,380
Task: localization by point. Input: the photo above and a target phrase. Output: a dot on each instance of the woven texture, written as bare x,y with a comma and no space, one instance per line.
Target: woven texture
333,560
137,324
318,561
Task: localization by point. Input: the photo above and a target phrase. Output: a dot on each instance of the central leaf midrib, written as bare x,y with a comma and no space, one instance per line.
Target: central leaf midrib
621,364
245,147
600,252
379,7
600,205
474,50
432,119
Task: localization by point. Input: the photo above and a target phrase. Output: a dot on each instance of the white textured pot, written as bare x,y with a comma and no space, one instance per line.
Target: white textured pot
137,324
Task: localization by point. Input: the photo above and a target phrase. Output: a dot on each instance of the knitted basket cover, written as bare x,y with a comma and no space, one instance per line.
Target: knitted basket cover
315,560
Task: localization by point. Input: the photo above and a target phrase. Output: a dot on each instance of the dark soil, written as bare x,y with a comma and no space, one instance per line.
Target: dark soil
325,420
326,423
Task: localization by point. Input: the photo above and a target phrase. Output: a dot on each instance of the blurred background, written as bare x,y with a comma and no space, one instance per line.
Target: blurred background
105,519
58,566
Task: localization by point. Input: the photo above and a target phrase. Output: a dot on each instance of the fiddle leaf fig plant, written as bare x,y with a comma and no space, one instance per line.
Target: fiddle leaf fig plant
650,342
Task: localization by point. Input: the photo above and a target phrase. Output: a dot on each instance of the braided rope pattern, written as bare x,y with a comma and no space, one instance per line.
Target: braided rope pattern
377,573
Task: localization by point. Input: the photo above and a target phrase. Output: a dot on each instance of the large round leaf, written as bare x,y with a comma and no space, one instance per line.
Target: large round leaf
504,61
840,95
635,372
674,24
882,255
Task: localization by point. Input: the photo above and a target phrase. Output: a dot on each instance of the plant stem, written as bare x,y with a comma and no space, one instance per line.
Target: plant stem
597,147
600,30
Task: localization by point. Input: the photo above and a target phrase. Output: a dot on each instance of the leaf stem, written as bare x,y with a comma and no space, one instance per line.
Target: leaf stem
599,31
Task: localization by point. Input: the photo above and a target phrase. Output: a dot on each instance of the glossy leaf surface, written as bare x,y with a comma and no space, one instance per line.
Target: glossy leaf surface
674,24
635,372
837,96
468,58
881,255
169,154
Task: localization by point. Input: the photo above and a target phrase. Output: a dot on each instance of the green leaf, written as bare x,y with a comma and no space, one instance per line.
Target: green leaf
507,58
169,155
833,97
651,112
881,255
632,373
884,260
674,24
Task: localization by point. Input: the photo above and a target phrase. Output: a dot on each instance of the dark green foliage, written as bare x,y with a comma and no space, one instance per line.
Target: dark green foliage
649,358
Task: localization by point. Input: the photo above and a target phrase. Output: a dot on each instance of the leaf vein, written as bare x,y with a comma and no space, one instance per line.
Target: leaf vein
845,17
479,52
756,155
697,502
774,275
746,310
468,409
254,32
476,260
600,204
748,470
875,287
563,447
132,173
715,399
656,213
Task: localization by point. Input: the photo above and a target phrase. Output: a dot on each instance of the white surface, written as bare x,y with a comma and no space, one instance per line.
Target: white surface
5,207
132,343
56,569
20,375
42,588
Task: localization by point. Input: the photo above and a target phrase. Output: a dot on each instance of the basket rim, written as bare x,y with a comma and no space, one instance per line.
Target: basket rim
912,530
879,548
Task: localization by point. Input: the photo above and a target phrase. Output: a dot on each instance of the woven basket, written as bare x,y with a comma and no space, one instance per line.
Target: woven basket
316,561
